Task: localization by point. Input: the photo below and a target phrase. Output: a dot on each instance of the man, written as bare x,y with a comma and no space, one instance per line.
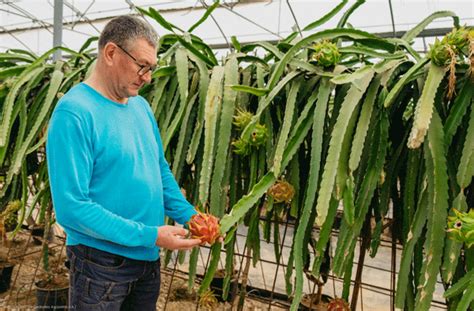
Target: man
110,182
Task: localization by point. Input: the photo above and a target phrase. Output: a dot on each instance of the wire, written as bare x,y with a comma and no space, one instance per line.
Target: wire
81,14
218,26
30,16
17,39
391,16
250,21
294,17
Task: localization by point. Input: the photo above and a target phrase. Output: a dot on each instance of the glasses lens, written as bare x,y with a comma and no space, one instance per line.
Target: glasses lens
145,69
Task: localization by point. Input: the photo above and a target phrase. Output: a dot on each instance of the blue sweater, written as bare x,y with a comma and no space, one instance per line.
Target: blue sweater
110,182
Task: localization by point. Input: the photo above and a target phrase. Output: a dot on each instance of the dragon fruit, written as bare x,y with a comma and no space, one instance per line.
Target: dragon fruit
461,227
242,147
208,300
259,135
439,53
242,118
281,191
326,53
338,304
204,227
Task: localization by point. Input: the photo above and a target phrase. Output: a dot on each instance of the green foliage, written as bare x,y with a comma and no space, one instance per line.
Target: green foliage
339,129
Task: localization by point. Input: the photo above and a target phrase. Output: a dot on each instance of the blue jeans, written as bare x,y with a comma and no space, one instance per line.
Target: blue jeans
103,281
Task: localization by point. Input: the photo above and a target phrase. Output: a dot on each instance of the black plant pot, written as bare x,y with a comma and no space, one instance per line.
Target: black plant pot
51,298
5,276
37,232
217,286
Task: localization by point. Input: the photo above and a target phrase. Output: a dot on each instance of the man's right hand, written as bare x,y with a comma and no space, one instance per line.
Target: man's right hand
174,238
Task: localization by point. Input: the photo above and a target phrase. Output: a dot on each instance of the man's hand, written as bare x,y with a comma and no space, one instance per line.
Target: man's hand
172,237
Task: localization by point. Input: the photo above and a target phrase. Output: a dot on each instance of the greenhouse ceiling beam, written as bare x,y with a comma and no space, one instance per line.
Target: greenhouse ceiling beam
435,32
218,26
30,16
44,25
81,15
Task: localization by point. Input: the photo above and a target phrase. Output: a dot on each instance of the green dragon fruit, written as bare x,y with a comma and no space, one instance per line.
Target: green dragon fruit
326,53
242,118
439,53
242,147
444,51
257,138
458,39
461,227
259,135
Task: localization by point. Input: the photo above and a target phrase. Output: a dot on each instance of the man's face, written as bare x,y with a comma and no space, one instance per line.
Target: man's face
131,68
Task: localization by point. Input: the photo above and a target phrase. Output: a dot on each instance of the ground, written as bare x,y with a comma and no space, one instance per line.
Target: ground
22,294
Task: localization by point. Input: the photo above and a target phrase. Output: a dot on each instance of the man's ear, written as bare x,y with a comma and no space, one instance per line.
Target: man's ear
109,52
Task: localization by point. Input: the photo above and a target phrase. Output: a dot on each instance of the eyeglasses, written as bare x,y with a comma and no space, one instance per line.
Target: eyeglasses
144,69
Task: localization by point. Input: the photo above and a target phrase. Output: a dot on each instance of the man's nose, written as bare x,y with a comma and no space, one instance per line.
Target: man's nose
146,77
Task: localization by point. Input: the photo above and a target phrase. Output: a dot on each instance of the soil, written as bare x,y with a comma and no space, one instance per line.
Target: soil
180,298
174,292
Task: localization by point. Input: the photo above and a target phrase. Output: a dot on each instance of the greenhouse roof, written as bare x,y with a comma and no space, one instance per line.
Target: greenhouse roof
28,24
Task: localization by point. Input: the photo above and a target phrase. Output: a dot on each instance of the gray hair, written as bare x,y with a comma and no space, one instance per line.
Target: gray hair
122,30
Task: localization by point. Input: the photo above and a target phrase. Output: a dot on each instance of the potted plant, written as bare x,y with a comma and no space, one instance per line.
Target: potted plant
53,286
8,221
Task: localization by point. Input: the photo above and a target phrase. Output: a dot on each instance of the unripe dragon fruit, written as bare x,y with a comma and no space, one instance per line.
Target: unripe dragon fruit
326,53
338,304
439,53
259,135
204,227
443,52
242,147
458,39
242,118
461,227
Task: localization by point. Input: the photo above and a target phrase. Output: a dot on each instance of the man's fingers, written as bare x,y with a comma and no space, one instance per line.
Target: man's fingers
189,243
180,231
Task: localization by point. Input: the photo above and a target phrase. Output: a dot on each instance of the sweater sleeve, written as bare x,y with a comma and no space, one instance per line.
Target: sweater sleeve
70,159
